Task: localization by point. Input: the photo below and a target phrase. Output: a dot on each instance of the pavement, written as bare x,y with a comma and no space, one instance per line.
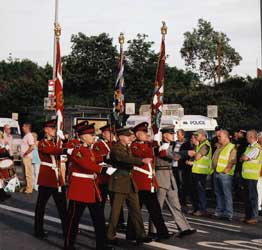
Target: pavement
17,219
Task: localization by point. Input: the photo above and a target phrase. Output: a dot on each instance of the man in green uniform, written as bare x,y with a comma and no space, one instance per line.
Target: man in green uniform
121,183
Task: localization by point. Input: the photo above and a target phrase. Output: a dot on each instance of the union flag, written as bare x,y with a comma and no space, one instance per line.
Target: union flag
119,94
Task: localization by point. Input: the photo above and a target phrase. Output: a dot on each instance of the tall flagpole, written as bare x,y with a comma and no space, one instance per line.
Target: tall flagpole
56,36
219,54
261,31
157,100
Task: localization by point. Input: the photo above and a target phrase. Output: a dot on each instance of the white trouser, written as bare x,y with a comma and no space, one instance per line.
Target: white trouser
36,168
1,183
259,191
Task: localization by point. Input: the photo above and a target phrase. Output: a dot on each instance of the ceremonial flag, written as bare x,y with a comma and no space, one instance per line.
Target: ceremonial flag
157,100
59,92
259,73
119,91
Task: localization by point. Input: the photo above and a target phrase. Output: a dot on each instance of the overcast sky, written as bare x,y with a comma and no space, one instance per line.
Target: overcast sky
26,26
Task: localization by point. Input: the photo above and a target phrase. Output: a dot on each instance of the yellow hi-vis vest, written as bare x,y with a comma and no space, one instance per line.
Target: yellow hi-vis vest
203,165
251,169
223,159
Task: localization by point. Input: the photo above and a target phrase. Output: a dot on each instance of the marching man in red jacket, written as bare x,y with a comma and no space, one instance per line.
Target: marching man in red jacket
144,177
83,190
102,150
50,181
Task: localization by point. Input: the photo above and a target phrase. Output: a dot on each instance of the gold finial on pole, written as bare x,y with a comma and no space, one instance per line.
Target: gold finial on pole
163,29
121,39
57,30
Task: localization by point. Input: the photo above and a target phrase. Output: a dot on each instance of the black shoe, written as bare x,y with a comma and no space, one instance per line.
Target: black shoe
164,237
186,233
113,242
140,242
153,236
41,235
106,248
3,195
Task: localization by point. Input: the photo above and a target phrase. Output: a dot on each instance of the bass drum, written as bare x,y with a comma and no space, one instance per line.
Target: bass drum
7,169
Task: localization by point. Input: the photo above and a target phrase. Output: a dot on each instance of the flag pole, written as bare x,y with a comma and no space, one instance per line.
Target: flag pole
261,31
157,99
121,40
219,54
163,30
57,33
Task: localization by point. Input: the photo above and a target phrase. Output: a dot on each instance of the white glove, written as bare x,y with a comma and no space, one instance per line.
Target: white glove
164,146
157,137
110,170
60,134
70,151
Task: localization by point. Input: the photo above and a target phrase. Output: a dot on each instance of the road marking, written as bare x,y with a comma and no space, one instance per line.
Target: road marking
172,225
212,226
200,220
214,222
255,244
217,227
88,228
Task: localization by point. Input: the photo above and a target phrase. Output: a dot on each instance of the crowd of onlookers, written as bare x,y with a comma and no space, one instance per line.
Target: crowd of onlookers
231,163
28,153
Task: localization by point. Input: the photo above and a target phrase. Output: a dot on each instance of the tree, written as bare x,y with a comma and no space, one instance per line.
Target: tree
140,70
200,52
91,69
23,84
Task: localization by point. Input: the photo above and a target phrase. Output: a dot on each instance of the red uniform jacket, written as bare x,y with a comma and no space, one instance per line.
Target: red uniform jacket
72,143
101,151
47,176
81,188
144,150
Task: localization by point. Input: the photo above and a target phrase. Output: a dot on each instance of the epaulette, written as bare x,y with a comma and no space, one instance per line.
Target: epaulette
79,155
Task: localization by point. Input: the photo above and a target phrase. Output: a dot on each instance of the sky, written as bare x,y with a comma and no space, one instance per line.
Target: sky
26,26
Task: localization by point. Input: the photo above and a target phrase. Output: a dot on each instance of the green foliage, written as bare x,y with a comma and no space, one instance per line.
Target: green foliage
90,71
200,52
91,68
23,84
140,68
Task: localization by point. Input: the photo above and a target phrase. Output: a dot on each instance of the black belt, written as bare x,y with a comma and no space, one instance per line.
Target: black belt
163,168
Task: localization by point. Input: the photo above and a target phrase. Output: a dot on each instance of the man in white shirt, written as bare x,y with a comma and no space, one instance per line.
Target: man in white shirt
27,146
250,173
259,182
8,138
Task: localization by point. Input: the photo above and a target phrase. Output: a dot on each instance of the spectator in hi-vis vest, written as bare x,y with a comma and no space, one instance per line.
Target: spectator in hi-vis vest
224,163
201,168
250,173
259,182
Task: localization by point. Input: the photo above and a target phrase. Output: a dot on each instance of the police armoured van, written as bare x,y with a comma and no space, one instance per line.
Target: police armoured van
171,117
